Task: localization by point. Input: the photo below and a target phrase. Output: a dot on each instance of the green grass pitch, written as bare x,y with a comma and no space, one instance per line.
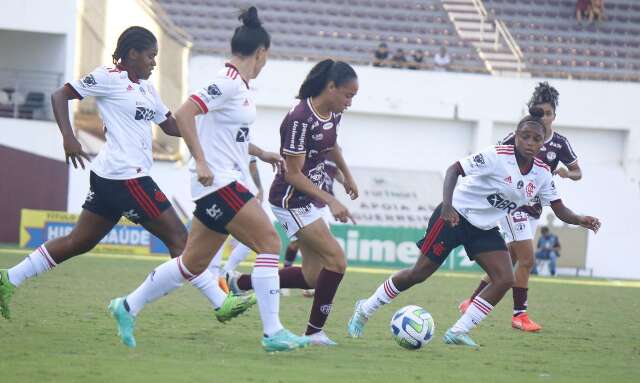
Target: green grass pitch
60,332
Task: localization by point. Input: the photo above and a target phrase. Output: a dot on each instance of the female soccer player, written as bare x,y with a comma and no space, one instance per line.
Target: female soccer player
520,226
497,181
307,135
119,182
219,144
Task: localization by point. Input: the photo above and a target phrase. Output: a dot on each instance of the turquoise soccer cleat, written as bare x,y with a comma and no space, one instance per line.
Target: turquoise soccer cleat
357,321
233,306
6,292
284,340
124,320
459,338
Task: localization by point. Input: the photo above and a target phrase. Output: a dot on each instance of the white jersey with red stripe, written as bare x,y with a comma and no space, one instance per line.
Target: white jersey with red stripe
493,186
223,130
127,108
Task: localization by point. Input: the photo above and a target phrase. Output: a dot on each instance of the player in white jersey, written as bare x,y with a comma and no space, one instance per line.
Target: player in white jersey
119,181
519,227
496,181
219,143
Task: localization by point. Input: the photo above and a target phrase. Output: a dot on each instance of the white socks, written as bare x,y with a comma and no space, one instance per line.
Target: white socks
214,265
160,282
32,265
209,286
383,295
239,254
266,285
477,311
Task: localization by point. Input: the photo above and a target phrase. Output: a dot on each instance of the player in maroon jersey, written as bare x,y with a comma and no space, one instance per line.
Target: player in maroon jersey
308,135
520,227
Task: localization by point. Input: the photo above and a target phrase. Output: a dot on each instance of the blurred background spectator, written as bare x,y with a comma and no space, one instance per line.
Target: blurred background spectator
441,59
417,59
548,250
381,55
399,60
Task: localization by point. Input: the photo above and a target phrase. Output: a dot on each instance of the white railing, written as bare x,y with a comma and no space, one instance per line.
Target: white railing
26,94
482,11
503,31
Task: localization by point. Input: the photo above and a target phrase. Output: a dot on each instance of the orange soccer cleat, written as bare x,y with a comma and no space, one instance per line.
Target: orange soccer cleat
522,322
464,305
223,285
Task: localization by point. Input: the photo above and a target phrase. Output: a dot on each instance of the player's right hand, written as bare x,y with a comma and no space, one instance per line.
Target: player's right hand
340,212
205,176
450,215
73,150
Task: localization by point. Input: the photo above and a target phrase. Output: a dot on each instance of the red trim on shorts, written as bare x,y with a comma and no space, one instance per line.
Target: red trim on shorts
142,198
200,103
433,234
231,198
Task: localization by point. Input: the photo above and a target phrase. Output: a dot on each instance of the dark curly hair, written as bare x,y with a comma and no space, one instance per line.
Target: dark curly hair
543,94
137,38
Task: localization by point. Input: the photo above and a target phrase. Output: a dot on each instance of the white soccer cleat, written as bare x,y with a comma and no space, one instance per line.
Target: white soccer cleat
320,339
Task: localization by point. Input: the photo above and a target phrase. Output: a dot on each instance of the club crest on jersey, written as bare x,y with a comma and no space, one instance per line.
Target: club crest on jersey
531,189
499,202
317,137
508,180
143,113
478,160
551,155
520,185
214,91
243,134
88,81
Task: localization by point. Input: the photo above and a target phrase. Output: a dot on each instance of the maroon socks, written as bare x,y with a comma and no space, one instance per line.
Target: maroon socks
326,287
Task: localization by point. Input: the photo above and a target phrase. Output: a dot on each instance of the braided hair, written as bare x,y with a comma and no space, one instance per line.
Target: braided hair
137,38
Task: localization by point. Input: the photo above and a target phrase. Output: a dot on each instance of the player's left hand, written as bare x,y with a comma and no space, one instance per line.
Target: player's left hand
562,172
591,223
276,160
351,188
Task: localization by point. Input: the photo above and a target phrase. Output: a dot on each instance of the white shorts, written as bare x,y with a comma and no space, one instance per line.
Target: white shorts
518,226
327,216
292,220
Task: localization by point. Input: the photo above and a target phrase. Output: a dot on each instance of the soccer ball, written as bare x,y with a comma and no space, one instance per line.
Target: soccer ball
412,327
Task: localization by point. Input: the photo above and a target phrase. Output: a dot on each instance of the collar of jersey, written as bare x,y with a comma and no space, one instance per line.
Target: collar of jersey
229,65
550,138
131,76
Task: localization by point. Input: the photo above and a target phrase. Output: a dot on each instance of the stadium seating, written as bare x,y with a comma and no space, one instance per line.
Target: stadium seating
553,43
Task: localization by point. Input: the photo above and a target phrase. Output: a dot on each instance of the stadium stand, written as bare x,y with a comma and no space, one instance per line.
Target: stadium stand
552,43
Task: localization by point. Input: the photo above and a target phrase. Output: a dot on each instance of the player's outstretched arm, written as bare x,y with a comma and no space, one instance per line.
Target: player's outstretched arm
170,127
72,147
567,215
347,179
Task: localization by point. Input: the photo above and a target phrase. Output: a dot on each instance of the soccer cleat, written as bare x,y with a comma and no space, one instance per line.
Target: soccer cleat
522,322
357,321
124,320
321,339
464,305
310,293
233,306
6,292
231,278
459,338
222,282
284,340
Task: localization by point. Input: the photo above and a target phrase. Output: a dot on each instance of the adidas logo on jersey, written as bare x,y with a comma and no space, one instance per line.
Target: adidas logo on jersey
508,180
499,202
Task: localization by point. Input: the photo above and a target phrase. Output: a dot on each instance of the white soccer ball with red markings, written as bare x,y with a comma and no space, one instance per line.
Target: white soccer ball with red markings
412,327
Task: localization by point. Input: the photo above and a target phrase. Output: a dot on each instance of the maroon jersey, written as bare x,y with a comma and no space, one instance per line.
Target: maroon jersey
555,150
304,133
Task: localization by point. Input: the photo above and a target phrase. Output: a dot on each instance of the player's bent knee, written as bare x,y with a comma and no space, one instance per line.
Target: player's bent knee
268,244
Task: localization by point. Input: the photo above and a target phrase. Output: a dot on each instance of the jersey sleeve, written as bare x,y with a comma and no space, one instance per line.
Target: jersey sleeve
479,163
214,95
548,192
295,136
96,83
567,156
161,110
